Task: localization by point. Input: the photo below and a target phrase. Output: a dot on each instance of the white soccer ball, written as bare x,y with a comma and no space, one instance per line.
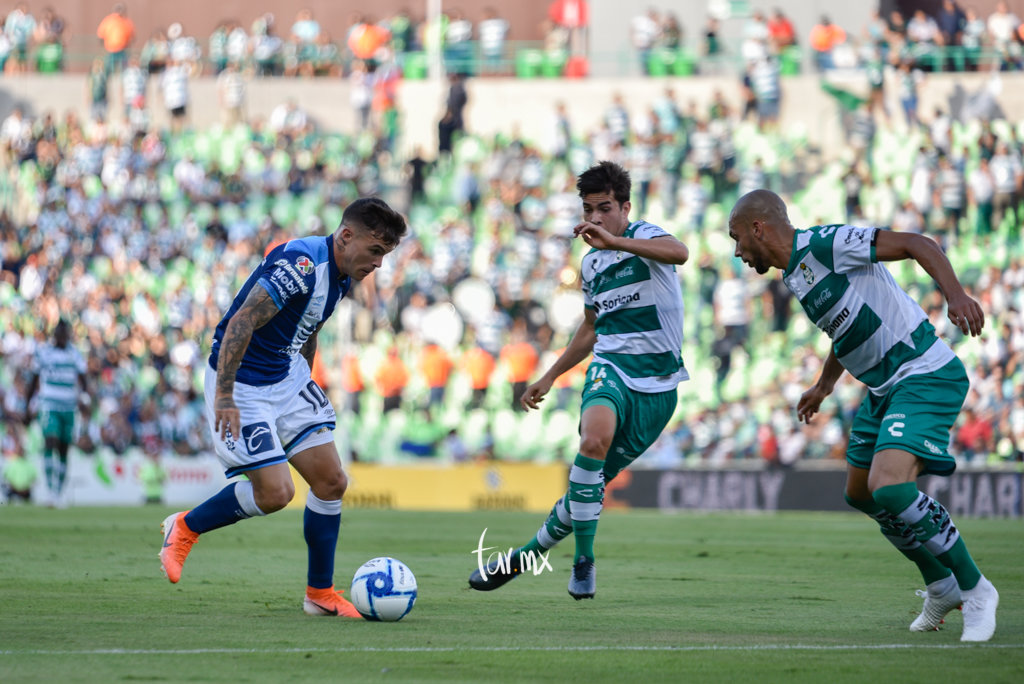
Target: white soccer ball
383,589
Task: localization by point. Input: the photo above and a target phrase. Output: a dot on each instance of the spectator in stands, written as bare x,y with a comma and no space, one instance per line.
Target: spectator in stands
922,29
671,32
155,53
980,193
97,89
951,195
435,365
231,95
1008,176
266,47
491,32
175,90
781,31
19,27
644,30
825,36
1002,30
520,359
391,378
117,32
305,35
458,43
756,38
909,79
951,21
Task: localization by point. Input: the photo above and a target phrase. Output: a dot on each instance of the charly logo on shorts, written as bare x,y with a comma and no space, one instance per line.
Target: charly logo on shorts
258,438
305,265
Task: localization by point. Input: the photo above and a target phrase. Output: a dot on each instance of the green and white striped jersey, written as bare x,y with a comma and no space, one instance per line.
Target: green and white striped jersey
879,334
639,307
58,371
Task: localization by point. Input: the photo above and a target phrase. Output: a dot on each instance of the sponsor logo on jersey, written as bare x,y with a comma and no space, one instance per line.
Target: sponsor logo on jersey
855,233
258,437
837,321
825,296
932,448
286,266
807,273
305,265
617,301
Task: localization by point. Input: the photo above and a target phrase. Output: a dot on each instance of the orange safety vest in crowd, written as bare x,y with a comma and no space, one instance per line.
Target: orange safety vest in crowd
351,376
392,376
479,364
567,378
521,359
116,32
435,365
824,38
318,373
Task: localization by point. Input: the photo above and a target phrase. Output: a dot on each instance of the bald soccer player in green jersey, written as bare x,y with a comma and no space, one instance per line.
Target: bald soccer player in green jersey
633,324
916,385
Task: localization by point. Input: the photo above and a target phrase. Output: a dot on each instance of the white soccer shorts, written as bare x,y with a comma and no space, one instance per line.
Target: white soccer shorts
278,420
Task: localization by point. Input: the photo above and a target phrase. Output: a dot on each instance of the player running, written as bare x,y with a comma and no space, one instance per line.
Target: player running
58,375
916,385
264,408
633,324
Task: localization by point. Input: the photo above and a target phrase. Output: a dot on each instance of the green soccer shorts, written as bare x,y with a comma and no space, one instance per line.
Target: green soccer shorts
59,425
916,416
639,416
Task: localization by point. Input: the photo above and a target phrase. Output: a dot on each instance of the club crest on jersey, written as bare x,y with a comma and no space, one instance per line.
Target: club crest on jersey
807,273
305,265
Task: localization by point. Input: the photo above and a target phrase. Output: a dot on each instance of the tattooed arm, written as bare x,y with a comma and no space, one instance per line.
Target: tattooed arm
309,348
254,313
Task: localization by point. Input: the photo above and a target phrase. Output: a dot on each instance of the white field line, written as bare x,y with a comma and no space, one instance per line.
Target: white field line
498,649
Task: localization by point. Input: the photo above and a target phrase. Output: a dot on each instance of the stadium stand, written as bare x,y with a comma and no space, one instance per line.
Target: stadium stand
143,234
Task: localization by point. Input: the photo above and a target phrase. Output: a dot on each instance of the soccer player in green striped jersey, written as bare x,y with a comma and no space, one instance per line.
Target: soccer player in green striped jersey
916,385
58,375
633,325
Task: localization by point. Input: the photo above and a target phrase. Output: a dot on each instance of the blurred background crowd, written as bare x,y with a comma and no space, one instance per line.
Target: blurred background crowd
139,235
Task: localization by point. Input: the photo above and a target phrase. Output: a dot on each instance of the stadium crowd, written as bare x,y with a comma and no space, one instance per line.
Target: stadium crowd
140,237
951,37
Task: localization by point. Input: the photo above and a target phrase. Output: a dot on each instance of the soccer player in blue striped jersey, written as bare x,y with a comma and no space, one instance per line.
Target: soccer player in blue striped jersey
916,384
633,324
263,407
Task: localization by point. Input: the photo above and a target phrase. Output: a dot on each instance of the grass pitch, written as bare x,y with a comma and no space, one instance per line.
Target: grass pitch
809,597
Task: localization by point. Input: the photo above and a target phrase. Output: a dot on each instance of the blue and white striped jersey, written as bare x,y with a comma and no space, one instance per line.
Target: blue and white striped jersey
305,283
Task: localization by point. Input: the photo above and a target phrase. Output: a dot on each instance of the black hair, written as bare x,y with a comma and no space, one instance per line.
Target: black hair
605,176
374,214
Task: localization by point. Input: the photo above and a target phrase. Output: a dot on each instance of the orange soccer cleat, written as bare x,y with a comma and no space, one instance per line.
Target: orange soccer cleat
178,541
328,602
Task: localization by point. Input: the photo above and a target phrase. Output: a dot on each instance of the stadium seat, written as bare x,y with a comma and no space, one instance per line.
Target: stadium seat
414,65
528,63
50,58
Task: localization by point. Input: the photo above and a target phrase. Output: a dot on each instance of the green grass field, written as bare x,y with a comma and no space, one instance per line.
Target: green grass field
705,598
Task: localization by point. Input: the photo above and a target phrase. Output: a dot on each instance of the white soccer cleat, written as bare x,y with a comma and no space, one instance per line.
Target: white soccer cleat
980,612
940,597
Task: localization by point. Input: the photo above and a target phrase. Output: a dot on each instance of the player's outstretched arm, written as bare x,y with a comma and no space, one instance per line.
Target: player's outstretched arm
664,249
255,312
811,400
963,311
579,348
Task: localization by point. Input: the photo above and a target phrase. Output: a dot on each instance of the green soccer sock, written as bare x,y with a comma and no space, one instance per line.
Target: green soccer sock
933,527
586,498
557,527
50,468
903,538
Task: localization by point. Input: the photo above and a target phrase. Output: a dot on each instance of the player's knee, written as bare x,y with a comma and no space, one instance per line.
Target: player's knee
331,488
274,497
595,447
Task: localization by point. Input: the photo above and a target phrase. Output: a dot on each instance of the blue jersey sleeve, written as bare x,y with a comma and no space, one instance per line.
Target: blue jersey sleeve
289,278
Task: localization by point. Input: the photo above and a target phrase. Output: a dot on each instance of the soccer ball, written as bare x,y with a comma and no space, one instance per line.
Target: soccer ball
383,590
